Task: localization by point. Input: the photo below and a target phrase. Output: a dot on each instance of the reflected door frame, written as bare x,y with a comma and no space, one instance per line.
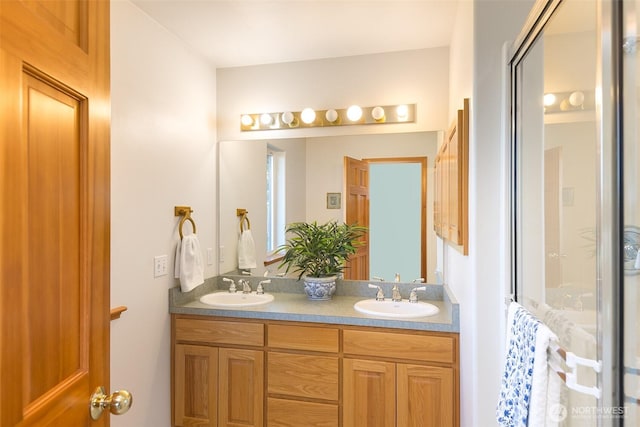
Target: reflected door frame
423,161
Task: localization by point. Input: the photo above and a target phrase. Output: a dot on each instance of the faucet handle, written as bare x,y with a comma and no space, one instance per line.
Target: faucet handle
260,288
395,294
246,288
232,287
379,294
413,296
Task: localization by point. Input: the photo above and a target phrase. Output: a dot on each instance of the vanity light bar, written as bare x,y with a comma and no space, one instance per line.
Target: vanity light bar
309,118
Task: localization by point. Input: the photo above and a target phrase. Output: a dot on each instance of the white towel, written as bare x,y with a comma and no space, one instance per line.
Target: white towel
188,266
525,380
246,250
545,384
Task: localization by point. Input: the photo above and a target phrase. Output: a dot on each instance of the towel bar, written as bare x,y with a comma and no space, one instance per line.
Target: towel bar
570,377
185,212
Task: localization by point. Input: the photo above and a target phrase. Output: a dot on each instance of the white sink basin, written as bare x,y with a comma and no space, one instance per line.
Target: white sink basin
389,308
238,299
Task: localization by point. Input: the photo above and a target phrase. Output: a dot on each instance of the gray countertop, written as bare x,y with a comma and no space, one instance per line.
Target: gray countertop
291,304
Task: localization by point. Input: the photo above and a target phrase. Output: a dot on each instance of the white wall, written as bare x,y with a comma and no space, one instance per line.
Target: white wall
416,76
479,280
163,154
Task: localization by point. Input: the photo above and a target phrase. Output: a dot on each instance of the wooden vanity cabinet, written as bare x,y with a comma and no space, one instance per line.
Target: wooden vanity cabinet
399,379
303,376
218,373
288,374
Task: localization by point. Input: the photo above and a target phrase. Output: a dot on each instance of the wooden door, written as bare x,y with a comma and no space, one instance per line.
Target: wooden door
54,193
369,393
553,217
425,396
356,181
196,386
241,388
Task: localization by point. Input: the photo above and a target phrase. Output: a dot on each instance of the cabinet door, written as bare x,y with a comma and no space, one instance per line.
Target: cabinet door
195,381
369,393
425,396
241,388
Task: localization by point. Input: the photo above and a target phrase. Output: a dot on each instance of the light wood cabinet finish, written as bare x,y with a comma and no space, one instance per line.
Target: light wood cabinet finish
285,374
196,385
425,396
427,348
369,393
291,413
306,376
450,208
241,388
304,338
219,332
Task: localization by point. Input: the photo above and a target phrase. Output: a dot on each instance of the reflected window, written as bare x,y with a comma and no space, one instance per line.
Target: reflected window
276,190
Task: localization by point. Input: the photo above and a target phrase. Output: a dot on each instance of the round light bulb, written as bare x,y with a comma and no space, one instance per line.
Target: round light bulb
308,115
354,113
331,116
576,98
246,120
402,111
287,117
549,99
377,113
266,119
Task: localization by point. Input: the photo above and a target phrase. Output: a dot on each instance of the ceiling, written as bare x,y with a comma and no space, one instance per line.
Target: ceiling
233,33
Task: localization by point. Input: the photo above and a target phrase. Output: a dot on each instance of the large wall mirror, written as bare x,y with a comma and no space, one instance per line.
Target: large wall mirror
280,181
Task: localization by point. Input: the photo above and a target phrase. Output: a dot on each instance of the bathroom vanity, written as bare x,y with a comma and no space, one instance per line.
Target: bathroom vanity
295,362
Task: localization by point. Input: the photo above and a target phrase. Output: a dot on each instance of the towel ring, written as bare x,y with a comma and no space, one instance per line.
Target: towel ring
242,213
242,221
185,212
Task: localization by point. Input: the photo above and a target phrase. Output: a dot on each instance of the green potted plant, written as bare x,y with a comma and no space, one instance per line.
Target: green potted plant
319,253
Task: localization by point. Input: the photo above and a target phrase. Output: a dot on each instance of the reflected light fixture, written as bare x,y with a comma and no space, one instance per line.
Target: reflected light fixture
549,99
308,115
331,116
246,120
576,98
287,117
402,111
377,113
354,113
266,119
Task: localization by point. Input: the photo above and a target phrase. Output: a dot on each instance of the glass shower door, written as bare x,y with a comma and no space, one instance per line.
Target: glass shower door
630,56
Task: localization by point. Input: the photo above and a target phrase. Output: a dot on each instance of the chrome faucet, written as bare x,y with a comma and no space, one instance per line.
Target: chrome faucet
260,288
246,288
413,296
379,294
232,286
395,294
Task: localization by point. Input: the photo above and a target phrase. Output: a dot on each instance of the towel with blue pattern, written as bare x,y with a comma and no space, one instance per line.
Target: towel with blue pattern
515,391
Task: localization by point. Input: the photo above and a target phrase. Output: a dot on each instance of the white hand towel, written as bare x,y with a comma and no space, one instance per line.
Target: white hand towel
188,266
545,384
246,250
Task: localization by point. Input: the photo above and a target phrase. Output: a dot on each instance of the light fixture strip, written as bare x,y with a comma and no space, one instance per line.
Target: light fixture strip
378,114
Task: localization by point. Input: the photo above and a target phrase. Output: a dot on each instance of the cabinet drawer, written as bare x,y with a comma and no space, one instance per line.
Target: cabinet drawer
400,346
219,332
289,413
302,375
303,338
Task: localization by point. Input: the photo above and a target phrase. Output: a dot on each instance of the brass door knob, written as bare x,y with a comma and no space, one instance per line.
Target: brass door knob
118,402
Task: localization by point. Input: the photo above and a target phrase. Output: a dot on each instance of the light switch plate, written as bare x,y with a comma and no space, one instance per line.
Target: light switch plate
160,266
